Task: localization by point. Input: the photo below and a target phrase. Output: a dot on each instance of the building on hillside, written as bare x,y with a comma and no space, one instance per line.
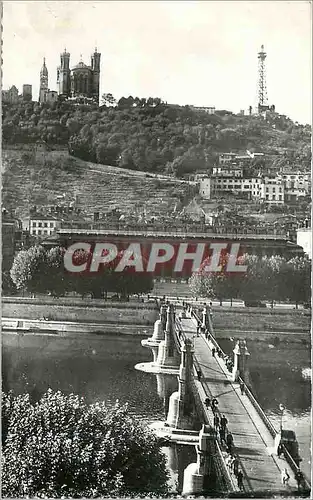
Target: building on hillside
193,212
27,93
43,225
12,237
10,96
269,190
204,186
225,185
226,158
296,180
228,170
304,240
45,94
80,81
208,109
272,191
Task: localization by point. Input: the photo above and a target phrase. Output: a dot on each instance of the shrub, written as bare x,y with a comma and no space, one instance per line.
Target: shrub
63,447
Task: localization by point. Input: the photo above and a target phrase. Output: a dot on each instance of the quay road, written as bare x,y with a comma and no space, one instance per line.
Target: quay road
253,442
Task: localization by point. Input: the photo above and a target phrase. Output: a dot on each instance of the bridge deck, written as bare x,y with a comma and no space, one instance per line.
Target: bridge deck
252,440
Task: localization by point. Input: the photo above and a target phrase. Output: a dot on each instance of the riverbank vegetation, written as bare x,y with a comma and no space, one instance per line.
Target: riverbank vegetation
38,270
61,447
266,278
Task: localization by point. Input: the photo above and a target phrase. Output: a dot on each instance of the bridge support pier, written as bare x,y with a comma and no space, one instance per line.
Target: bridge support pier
167,353
241,356
162,345
196,475
180,413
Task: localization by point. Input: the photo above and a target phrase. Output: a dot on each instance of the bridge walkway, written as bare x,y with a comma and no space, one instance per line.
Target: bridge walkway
252,440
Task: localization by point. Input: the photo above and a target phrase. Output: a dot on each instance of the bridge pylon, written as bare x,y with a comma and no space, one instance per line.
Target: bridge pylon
162,345
158,334
165,388
241,356
197,475
206,317
180,413
167,353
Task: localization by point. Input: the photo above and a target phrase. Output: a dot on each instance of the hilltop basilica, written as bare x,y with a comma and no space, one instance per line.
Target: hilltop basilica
79,83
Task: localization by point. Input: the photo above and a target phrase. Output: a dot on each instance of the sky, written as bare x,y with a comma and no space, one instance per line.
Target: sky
201,53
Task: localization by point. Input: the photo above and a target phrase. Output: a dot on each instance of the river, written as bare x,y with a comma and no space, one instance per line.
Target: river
102,368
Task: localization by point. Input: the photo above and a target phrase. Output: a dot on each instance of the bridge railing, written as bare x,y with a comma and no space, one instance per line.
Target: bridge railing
291,462
221,468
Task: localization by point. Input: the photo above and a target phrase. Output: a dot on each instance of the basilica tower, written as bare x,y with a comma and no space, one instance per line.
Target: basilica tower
95,67
64,75
43,87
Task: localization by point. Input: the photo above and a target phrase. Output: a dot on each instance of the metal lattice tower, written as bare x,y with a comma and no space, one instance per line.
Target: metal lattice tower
262,90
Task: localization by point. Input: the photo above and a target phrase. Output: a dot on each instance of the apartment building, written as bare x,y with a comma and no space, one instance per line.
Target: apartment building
262,188
297,184
272,191
43,225
226,170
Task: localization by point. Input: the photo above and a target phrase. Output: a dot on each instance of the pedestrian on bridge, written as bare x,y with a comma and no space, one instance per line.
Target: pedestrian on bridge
207,403
229,442
299,477
213,351
224,422
216,421
199,374
285,477
235,465
240,480
222,432
198,328
242,387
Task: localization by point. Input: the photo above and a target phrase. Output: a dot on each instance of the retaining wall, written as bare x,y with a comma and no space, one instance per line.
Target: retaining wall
122,313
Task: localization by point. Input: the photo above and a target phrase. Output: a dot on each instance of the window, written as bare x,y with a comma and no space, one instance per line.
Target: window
266,196
40,225
266,189
45,224
280,197
51,224
39,232
45,231
34,224
274,197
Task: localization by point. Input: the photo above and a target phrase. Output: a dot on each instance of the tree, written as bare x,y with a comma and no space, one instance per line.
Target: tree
58,282
129,281
62,447
295,280
217,284
108,100
30,270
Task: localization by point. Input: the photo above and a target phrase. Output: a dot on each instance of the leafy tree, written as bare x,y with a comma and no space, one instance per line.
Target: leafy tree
108,99
61,447
29,270
217,284
295,280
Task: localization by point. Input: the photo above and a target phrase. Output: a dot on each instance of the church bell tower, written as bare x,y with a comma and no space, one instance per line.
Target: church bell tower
63,75
95,67
43,87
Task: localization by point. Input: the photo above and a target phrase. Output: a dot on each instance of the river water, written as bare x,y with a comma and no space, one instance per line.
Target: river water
102,368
